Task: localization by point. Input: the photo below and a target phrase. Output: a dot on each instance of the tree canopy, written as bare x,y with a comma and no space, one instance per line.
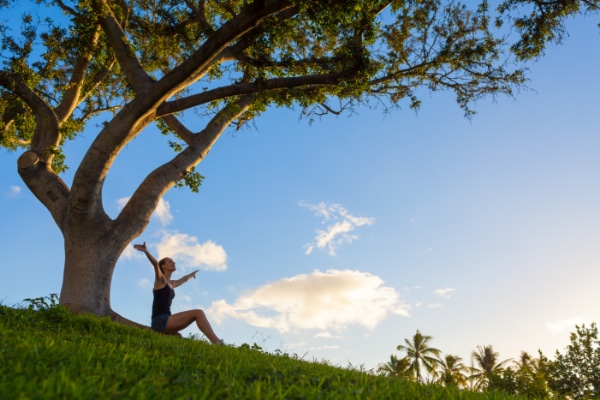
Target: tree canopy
420,356
540,22
194,68
575,372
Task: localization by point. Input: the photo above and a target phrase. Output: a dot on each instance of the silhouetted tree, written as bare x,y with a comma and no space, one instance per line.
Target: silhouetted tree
420,356
576,373
488,364
452,371
397,367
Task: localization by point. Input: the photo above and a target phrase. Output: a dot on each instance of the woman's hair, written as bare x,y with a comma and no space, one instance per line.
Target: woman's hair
161,263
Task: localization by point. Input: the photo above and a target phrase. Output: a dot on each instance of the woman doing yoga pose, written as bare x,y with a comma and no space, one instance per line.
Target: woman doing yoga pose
162,319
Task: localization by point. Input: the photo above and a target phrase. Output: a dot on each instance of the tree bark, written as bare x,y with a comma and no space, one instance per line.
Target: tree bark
90,259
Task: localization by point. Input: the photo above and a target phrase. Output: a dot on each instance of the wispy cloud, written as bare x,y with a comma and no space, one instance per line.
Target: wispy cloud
340,225
188,252
13,191
327,300
130,252
567,324
443,293
162,212
326,335
145,283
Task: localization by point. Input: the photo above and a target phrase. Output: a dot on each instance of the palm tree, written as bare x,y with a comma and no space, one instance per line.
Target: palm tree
420,355
453,372
531,376
487,359
395,367
527,363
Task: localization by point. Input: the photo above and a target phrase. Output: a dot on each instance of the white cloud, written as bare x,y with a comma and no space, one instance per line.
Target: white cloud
14,191
145,283
185,249
162,212
443,293
320,300
567,324
130,252
337,233
122,201
326,335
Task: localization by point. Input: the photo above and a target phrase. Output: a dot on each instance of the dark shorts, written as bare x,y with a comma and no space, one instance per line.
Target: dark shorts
159,323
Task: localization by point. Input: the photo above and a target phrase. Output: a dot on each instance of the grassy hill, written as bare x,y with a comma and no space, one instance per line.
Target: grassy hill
47,353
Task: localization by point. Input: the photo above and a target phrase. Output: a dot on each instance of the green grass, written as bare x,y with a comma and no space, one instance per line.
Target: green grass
50,354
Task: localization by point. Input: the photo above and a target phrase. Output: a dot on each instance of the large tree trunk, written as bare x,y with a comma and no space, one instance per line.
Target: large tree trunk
87,280
91,253
93,243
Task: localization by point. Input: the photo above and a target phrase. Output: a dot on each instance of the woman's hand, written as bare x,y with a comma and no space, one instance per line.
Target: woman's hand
140,247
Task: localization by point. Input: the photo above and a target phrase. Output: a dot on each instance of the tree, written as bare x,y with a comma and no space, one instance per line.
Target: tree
576,373
526,378
452,371
394,367
543,23
420,356
526,362
488,361
111,69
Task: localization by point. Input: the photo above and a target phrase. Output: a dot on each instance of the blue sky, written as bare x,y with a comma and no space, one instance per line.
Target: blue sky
338,239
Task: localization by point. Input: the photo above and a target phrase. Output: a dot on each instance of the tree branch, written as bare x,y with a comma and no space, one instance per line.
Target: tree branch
34,166
200,14
186,73
99,77
184,133
72,95
45,184
66,8
248,88
136,214
90,175
236,50
46,131
136,75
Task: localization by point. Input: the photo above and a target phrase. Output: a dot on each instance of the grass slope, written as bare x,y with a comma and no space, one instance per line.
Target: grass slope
47,353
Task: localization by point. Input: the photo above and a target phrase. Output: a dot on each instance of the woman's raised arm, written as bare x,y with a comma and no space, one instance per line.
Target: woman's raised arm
158,273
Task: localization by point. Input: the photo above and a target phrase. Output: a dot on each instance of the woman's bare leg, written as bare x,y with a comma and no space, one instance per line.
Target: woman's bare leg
183,319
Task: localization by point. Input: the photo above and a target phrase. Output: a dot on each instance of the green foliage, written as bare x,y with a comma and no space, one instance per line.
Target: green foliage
191,179
395,367
541,22
489,365
576,372
369,52
452,372
48,353
43,303
529,383
420,356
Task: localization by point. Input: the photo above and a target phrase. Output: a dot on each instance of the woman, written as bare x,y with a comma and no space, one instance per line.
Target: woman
162,320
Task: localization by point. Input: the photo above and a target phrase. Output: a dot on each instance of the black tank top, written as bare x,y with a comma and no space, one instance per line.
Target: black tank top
162,301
